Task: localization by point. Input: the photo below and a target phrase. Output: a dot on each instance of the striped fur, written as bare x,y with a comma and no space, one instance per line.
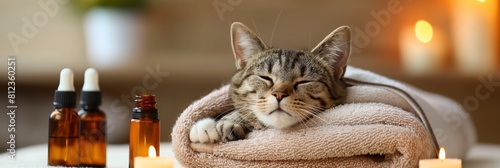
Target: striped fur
277,88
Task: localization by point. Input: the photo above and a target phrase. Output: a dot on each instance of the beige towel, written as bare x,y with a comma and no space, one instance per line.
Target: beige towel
379,126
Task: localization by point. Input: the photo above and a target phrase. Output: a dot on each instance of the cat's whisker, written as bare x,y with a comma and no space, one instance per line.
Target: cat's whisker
309,109
315,108
314,115
220,115
311,117
275,24
243,117
254,25
304,119
313,111
302,122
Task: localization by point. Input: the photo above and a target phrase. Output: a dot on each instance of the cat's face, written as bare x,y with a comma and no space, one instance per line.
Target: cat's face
284,87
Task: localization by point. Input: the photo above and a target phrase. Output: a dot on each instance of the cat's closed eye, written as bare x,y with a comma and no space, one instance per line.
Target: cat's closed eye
301,83
267,78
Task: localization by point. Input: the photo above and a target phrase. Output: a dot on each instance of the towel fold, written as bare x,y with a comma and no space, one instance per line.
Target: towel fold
382,124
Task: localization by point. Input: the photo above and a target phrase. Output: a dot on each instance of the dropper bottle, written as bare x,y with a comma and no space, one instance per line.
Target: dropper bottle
144,128
64,124
92,123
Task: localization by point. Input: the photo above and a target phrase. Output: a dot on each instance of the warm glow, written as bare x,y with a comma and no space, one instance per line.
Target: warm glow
481,1
152,151
442,154
423,31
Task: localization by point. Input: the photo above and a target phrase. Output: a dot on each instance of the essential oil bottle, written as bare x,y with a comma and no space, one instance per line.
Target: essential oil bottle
92,123
64,124
144,127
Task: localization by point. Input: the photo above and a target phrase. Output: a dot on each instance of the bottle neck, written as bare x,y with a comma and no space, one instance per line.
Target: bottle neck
90,108
64,108
145,101
145,107
144,113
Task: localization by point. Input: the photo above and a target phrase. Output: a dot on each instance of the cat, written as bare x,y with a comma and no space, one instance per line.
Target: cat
278,88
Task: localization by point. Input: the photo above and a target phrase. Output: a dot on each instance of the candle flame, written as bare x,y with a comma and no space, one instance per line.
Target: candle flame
442,154
482,1
423,31
152,151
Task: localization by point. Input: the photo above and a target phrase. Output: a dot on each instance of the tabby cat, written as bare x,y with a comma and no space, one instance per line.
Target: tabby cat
278,88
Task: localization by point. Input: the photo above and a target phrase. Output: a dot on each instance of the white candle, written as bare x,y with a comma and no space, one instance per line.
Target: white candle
441,162
475,32
153,161
422,48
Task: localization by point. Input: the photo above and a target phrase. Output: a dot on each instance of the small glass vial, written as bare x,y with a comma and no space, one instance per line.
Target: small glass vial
64,125
92,123
144,127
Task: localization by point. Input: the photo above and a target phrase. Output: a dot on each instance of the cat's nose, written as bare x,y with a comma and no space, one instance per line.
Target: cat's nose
279,95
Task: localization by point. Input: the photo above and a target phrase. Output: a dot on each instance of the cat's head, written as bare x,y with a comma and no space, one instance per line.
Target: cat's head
285,87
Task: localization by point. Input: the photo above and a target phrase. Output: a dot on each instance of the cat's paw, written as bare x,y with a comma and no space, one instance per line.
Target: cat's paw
230,130
204,131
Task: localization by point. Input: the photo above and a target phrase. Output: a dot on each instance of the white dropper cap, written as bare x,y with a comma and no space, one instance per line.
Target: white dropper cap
91,82
66,80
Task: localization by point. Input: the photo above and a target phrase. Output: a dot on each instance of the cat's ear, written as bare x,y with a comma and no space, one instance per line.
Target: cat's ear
245,44
335,50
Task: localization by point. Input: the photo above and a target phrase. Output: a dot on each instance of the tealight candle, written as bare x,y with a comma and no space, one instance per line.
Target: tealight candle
441,162
152,161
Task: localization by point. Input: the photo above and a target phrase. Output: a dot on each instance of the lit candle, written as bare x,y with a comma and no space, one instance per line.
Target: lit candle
475,32
441,162
422,48
152,161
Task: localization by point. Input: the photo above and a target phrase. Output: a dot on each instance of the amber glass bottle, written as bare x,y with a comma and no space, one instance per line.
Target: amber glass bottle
144,127
92,131
92,123
64,125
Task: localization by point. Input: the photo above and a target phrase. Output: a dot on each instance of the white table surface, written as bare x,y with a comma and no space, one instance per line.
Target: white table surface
36,156
480,156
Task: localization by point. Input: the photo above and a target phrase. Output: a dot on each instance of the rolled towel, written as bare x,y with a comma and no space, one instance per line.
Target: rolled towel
382,124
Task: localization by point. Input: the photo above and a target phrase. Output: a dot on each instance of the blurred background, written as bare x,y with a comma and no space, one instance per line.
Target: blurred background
180,51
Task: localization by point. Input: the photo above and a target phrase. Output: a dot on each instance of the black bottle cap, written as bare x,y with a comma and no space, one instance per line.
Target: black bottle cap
90,98
64,99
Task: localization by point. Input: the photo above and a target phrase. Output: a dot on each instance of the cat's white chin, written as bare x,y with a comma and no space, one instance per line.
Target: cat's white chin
278,119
